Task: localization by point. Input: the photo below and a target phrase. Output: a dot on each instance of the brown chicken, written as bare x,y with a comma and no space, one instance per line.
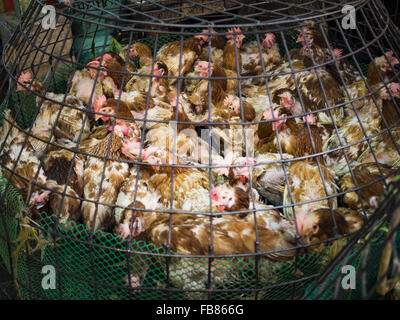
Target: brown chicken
217,43
294,137
144,195
200,96
251,58
312,95
106,110
229,198
384,65
170,55
185,179
25,83
269,177
65,207
115,68
141,51
233,104
70,121
365,174
115,172
318,225
83,84
137,82
319,51
57,164
353,136
28,167
306,184
390,111
232,47
231,235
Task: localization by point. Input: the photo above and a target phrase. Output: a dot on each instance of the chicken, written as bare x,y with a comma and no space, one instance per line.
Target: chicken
18,156
83,83
312,95
318,225
365,174
113,62
106,109
160,88
384,65
178,65
73,121
102,179
217,43
251,61
232,103
231,56
231,235
69,110
65,207
136,189
353,136
185,179
25,83
228,198
314,47
355,218
390,98
385,148
216,40
169,136
200,95
294,138
269,177
307,184
141,51
59,164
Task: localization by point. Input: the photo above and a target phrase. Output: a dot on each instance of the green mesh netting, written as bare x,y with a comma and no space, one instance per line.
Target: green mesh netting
12,206
371,275
89,272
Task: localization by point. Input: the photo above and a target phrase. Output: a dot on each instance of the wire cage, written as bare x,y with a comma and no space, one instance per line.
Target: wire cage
374,255
394,9
193,150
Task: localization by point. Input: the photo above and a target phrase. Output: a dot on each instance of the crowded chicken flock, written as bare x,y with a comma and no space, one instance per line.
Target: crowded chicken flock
113,111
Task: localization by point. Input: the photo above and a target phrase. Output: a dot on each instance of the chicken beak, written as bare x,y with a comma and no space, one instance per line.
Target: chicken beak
300,38
137,227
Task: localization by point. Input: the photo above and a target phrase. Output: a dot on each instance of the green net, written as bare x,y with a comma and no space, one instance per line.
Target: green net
12,206
371,275
100,271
